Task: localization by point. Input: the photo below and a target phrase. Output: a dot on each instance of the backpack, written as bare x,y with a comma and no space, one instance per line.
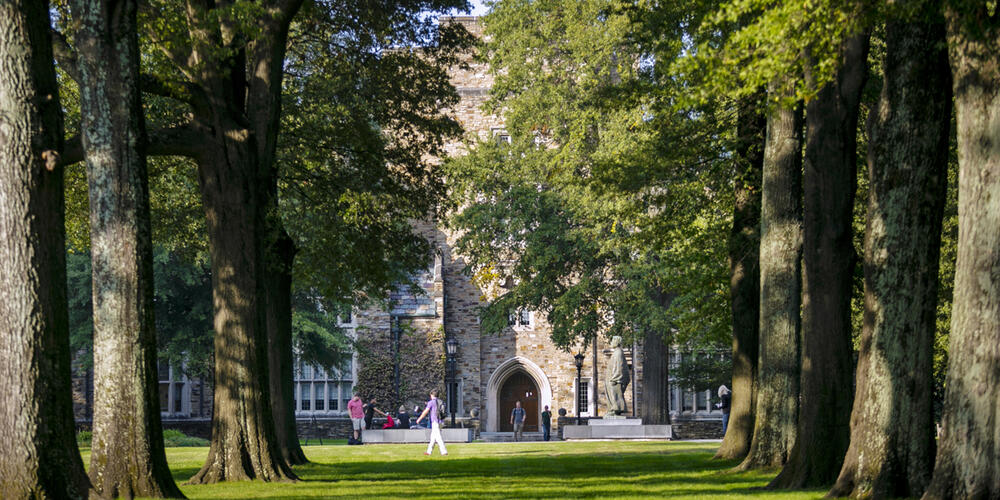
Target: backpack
440,410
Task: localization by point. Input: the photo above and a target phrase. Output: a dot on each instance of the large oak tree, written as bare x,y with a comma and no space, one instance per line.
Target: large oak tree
969,450
776,410
829,182
39,458
892,422
744,273
127,455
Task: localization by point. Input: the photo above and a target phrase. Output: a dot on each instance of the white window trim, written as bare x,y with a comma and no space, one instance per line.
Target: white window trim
590,396
523,328
175,377
353,323
500,134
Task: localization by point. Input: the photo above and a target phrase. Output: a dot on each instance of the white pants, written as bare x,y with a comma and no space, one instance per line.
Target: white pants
436,438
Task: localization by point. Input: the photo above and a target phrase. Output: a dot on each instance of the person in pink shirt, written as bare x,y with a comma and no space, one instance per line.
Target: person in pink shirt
356,410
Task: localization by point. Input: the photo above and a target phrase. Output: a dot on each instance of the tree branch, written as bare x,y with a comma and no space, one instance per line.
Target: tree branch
72,151
65,55
175,53
184,140
181,91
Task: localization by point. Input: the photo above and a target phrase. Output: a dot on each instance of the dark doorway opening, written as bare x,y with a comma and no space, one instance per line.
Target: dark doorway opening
518,387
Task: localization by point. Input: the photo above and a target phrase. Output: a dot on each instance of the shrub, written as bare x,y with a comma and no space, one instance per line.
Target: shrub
83,438
174,438
171,438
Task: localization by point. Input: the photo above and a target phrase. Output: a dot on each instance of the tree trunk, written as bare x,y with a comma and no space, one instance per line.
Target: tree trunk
243,443
279,339
267,54
892,425
968,456
39,458
780,292
829,182
655,402
127,456
744,275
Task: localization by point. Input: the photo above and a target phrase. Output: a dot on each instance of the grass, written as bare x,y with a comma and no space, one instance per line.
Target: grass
498,470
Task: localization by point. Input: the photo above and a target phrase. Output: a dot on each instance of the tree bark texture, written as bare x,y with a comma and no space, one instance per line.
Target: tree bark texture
744,274
127,455
829,181
776,413
243,444
279,339
892,424
968,455
39,457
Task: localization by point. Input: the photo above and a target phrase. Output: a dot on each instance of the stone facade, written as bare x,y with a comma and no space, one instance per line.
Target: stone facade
485,362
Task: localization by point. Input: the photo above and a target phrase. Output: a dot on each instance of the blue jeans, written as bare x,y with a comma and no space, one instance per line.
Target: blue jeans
725,423
545,431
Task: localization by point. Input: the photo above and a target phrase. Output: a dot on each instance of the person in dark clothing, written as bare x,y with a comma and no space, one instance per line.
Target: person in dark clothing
517,420
546,423
370,411
402,418
725,398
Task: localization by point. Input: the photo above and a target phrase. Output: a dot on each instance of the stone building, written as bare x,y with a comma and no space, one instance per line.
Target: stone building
491,373
521,363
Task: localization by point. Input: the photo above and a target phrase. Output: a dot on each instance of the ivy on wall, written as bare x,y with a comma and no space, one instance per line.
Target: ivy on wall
421,365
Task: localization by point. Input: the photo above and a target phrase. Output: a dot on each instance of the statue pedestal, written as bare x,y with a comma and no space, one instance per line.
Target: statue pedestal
615,420
616,427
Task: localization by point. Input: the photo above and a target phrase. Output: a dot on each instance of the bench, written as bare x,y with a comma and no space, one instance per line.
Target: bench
385,436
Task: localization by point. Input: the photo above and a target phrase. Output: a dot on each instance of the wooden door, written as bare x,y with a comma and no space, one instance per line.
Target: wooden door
518,387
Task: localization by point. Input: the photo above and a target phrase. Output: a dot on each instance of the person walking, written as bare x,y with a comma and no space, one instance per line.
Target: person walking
356,410
435,417
725,398
517,419
546,423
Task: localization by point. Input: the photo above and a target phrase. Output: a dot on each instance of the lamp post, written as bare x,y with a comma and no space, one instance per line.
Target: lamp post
451,349
578,359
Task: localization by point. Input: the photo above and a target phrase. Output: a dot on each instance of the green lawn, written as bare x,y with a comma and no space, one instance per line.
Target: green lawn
498,470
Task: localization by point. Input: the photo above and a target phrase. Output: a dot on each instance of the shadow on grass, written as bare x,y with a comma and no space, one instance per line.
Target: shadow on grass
568,475
379,472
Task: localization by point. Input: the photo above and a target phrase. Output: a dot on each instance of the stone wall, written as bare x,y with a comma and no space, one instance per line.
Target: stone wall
325,428
697,429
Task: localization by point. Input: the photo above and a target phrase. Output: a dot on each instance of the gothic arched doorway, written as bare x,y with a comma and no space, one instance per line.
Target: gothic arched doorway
518,387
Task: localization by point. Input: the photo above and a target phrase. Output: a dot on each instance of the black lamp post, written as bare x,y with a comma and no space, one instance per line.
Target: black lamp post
578,359
451,349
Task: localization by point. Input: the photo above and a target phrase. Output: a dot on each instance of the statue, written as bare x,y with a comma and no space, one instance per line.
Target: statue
616,379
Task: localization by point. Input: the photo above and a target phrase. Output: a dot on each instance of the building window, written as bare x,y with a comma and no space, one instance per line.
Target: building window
346,393
346,320
175,391
501,136
585,397
520,319
319,392
689,403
